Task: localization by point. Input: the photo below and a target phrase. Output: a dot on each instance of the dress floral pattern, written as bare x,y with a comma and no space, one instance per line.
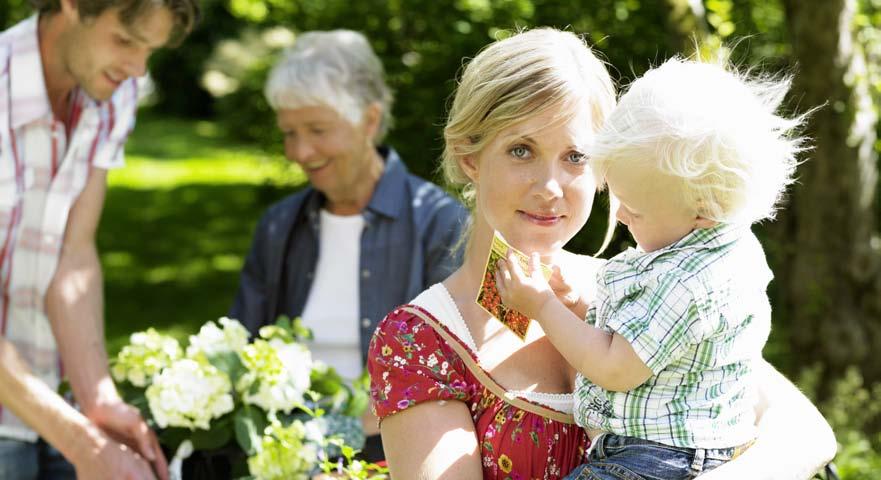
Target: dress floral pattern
412,362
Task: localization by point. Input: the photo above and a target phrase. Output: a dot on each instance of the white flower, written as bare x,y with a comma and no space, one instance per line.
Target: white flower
213,340
282,454
146,355
189,394
277,374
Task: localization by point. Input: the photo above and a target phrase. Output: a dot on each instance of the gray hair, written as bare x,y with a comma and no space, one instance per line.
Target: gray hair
336,69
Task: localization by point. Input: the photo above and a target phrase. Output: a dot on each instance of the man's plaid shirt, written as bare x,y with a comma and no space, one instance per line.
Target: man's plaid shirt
43,168
697,315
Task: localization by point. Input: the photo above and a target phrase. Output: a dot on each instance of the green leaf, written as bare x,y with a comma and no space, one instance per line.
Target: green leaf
217,436
283,322
239,470
228,363
249,424
64,388
272,331
348,451
358,403
173,437
300,331
325,380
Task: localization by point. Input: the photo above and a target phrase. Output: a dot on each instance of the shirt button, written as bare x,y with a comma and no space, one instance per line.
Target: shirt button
309,275
365,273
365,322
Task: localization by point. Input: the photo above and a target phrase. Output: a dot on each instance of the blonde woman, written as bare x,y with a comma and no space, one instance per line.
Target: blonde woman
458,395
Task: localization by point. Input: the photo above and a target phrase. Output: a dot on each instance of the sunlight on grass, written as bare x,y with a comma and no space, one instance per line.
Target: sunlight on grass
177,224
147,173
165,153
227,263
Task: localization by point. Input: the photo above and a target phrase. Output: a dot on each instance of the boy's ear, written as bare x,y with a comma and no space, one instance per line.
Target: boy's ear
701,222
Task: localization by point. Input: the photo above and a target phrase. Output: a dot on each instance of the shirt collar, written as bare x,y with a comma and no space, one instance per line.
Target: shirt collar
29,100
387,195
699,239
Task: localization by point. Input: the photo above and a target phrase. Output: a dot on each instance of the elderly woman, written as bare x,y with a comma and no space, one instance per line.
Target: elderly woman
461,396
365,235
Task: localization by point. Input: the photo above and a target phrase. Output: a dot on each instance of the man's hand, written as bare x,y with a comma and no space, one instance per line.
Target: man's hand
123,423
110,460
526,292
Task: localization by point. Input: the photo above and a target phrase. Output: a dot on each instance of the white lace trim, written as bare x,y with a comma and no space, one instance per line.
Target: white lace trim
561,402
440,303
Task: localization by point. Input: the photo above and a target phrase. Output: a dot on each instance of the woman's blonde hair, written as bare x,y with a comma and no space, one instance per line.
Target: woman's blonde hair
517,78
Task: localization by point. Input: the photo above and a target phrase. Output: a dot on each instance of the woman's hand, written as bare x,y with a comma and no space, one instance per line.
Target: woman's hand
569,288
794,441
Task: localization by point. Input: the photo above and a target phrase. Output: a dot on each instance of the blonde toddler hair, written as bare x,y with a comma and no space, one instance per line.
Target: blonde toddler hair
712,127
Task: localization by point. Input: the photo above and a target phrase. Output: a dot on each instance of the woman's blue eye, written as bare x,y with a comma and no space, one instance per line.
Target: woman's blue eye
577,158
519,151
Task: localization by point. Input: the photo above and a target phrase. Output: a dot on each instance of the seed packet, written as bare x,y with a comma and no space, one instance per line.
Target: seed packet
488,296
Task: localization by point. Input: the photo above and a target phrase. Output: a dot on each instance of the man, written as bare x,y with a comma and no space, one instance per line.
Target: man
67,103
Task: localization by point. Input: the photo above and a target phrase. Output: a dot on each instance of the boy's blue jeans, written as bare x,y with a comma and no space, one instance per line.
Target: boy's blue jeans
616,457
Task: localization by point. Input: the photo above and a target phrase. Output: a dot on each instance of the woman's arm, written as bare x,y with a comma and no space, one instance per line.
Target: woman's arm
794,439
432,441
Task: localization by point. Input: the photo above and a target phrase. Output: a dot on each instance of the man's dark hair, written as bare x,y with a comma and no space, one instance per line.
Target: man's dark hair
186,12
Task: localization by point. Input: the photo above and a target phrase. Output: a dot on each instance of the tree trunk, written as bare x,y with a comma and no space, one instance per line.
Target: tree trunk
828,272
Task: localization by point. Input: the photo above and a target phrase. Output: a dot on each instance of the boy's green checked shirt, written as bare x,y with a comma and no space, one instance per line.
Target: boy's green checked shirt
697,315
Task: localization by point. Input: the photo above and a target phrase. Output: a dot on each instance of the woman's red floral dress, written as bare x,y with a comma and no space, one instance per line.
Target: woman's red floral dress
412,359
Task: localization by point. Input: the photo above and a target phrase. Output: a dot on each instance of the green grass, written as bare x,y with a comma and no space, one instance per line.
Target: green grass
177,224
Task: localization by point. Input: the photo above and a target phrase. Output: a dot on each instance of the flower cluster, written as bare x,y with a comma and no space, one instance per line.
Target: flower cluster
282,454
277,374
145,356
227,390
213,340
189,394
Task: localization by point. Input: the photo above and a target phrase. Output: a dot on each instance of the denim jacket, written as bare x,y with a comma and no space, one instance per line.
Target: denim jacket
410,228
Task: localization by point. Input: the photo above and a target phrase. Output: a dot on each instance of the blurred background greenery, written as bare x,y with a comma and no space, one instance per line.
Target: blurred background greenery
204,160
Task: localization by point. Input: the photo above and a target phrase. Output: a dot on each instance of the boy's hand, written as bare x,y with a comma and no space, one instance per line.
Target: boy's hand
526,292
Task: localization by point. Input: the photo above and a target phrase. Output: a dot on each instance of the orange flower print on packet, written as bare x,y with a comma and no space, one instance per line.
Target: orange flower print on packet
488,297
